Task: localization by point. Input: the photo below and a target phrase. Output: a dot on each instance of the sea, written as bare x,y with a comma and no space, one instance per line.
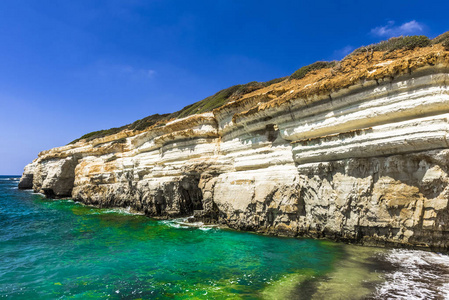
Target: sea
62,249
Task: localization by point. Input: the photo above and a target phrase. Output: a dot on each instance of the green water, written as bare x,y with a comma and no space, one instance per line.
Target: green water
59,249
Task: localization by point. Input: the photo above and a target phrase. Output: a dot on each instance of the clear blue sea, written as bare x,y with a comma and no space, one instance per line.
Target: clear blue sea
60,249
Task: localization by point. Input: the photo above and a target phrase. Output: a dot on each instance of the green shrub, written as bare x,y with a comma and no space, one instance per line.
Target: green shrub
208,104
147,122
446,44
396,43
99,134
276,80
222,97
405,42
442,39
119,141
302,72
237,91
137,125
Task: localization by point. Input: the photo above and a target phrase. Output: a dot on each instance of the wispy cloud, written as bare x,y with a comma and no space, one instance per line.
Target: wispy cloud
116,72
390,30
123,71
340,53
130,70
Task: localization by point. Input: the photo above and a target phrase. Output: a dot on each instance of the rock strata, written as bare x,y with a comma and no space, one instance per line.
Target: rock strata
362,155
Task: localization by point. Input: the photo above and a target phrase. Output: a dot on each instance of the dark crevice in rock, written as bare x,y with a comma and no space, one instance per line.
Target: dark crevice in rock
49,193
26,182
272,132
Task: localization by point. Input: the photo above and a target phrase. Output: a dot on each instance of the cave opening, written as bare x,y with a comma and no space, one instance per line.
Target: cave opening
272,132
191,196
49,193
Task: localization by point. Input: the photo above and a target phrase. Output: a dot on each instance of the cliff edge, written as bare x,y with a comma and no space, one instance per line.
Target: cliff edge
355,150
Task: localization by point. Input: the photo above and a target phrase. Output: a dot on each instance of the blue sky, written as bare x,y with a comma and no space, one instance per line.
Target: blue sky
72,67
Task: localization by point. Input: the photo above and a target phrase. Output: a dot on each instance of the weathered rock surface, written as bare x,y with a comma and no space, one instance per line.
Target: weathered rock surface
26,181
366,160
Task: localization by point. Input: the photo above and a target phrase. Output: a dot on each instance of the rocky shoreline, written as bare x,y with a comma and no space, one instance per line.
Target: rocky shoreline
361,156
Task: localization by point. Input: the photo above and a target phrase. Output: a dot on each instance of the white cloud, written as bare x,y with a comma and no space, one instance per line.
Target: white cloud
151,73
340,53
390,30
136,72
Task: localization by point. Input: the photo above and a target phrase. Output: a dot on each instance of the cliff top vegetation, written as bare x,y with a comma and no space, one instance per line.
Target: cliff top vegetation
306,76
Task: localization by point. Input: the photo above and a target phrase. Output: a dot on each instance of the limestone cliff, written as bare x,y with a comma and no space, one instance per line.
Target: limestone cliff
357,151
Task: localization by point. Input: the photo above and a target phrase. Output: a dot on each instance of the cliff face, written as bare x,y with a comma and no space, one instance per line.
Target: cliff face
355,152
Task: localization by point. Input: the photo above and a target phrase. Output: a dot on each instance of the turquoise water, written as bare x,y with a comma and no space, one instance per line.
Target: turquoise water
59,249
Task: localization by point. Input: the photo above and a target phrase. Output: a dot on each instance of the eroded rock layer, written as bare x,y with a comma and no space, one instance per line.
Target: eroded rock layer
366,160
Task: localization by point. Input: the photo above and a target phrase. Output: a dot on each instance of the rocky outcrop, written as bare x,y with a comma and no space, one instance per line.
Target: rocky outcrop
26,181
359,155
55,177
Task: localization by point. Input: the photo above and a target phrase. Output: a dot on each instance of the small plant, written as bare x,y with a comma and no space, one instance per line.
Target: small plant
446,44
137,125
396,43
147,122
442,39
222,97
119,141
406,43
205,105
276,80
98,134
302,72
160,124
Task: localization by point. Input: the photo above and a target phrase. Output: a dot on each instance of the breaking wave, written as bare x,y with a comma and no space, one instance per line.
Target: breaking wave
122,211
416,275
184,223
